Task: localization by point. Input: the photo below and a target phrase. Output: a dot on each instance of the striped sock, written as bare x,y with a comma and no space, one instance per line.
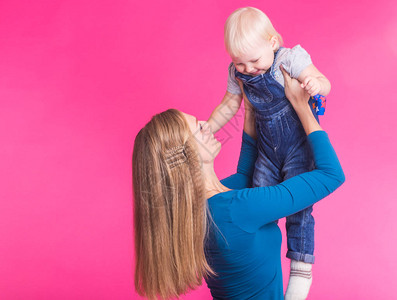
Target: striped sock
300,280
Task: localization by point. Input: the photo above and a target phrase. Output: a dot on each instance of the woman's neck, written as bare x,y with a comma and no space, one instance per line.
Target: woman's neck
212,185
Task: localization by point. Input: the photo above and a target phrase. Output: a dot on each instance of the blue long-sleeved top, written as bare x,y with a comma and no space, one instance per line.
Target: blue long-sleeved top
243,245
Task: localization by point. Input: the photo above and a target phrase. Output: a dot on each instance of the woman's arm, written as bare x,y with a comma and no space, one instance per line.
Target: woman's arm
255,207
248,153
252,208
299,100
246,163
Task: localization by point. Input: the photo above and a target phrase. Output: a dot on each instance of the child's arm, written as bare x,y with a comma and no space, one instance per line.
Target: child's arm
225,111
314,82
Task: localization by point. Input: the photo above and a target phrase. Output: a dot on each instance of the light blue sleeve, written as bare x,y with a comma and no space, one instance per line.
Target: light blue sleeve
255,207
294,60
232,84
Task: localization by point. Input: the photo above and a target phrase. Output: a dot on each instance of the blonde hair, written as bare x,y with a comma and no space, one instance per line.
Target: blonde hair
245,28
170,214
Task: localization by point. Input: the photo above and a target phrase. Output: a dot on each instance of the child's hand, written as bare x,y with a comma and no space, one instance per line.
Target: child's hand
205,129
312,85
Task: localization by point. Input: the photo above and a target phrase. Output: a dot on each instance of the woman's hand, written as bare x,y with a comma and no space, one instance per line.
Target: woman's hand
299,100
294,91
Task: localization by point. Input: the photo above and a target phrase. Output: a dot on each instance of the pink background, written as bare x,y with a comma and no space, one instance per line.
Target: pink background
78,79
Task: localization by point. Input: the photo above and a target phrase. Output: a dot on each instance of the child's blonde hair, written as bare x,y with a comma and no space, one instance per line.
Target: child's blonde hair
245,28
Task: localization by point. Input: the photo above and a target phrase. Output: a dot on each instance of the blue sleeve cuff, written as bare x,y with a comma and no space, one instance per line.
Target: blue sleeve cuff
316,137
248,139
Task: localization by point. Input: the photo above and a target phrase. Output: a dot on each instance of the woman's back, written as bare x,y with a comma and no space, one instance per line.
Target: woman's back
247,264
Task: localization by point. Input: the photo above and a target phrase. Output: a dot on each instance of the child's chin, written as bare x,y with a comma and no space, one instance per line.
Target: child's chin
256,73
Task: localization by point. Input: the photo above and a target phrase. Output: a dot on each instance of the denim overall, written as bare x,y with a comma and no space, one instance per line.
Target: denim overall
283,153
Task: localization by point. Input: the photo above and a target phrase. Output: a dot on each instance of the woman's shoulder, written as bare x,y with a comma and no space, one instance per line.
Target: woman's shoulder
223,196
233,196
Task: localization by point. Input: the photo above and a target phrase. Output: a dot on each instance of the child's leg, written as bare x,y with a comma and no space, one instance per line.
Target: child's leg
300,236
300,229
266,171
300,280
284,153
267,167
300,242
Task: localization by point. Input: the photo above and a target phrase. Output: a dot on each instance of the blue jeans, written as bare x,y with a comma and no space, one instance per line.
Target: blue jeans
283,153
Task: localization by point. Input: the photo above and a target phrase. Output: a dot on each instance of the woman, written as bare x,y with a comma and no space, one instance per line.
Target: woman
190,225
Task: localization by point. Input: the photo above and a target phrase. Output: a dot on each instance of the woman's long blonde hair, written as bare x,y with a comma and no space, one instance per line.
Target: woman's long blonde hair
170,216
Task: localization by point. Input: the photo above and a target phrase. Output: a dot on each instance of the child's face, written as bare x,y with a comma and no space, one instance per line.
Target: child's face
257,60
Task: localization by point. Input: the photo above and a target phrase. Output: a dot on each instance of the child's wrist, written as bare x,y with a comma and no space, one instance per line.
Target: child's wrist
325,87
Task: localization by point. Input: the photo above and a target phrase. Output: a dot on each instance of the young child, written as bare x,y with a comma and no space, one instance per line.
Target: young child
255,49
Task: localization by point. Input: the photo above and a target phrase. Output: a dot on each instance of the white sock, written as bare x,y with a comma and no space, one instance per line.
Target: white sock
300,280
